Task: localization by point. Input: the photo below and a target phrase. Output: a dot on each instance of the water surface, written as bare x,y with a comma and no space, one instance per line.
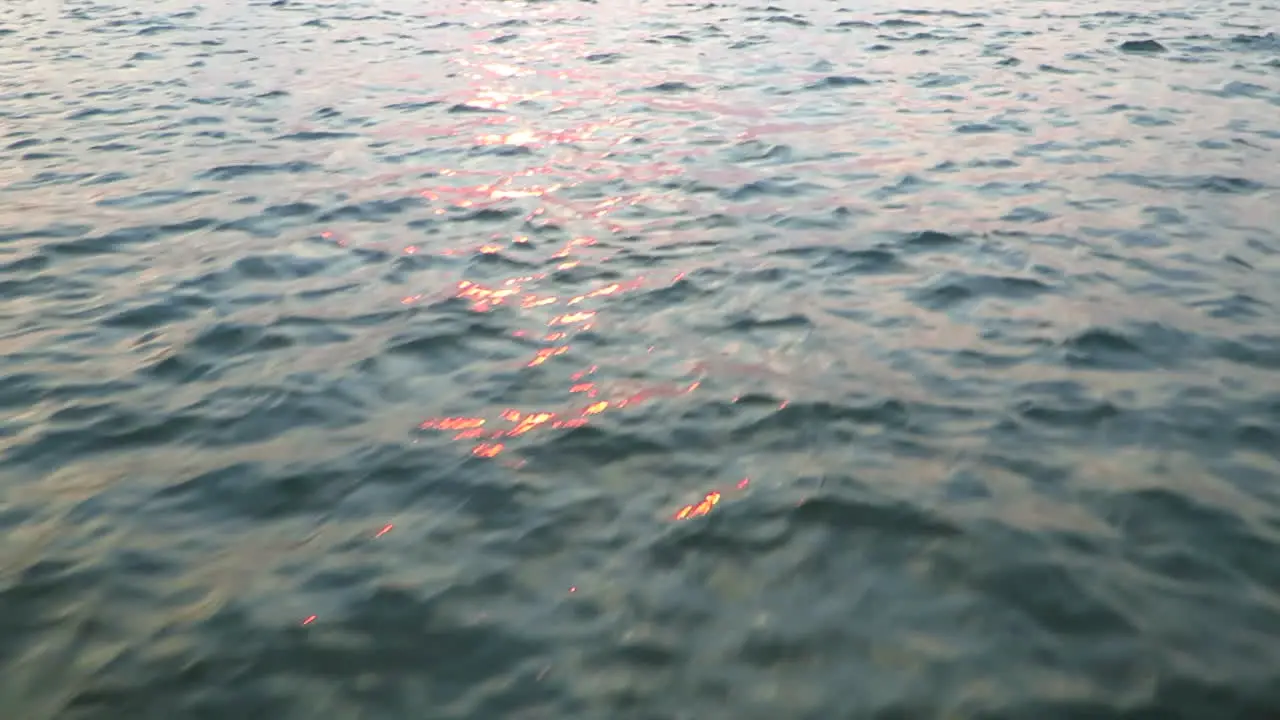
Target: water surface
394,359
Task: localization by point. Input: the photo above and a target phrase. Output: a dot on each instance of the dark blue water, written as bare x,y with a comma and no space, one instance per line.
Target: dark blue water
445,359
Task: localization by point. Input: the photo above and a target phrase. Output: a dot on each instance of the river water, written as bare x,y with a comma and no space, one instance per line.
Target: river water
639,359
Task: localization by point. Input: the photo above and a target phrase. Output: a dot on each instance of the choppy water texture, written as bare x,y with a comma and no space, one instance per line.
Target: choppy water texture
443,359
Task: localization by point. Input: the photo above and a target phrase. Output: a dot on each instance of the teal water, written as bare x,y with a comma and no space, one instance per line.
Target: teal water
390,359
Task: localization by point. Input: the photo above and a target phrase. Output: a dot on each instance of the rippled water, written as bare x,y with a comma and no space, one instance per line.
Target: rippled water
392,359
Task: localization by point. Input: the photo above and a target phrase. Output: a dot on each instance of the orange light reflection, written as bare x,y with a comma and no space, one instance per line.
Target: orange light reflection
699,508
571,318
546,354
452,423
707,503
522,423
585,152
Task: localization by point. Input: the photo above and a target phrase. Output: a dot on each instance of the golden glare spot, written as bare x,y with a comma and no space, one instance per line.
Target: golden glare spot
530,422
570,318
700,508
452,423
490,249
546,354
595,408
487,450
482,297
533,301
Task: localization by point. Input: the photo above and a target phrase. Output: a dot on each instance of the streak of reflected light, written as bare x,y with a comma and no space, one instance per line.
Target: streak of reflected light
546,354
522,423
505,71
485,298
702,507
577,242
528,137
453,423
708,503
607,290
600,151
529,422
572,318
528,302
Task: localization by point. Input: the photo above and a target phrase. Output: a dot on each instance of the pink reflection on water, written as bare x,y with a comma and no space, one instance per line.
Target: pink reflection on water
562,153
